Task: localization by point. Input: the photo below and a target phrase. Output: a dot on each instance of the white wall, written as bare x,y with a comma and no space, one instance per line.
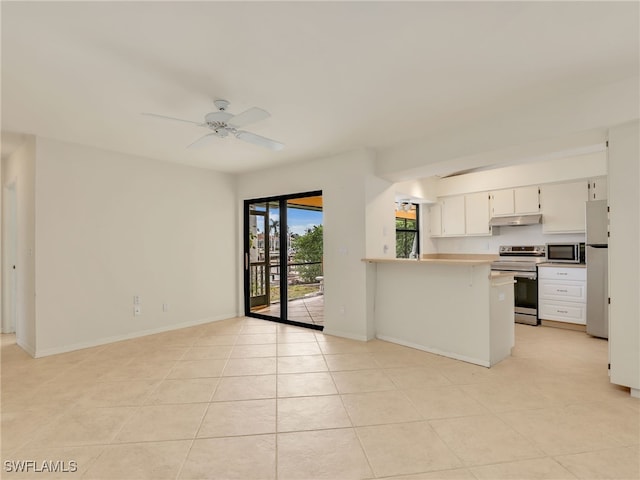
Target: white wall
19,171
573,119
624,255
110,226
343,181
380,218
555,170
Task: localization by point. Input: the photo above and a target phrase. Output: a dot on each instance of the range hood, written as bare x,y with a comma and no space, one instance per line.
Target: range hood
515,220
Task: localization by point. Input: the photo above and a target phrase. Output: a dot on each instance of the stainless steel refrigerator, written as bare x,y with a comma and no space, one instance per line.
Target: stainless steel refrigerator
596,253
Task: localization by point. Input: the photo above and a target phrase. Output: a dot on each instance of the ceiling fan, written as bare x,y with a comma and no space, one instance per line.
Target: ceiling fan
223,123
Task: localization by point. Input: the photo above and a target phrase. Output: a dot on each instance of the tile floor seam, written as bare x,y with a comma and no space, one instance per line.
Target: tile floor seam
449,447
542,446
193,440
353,427
184,460
138,408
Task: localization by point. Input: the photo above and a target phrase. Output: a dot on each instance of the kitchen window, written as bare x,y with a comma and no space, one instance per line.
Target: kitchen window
407,232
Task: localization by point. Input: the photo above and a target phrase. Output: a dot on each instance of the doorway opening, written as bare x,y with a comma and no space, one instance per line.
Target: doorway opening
283,252
10,252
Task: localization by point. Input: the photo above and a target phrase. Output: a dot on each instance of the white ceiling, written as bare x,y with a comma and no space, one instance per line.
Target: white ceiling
335,76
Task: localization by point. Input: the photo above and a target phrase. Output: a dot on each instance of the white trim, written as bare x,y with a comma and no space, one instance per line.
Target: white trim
635,392
455,356
27,348
351,336
116,338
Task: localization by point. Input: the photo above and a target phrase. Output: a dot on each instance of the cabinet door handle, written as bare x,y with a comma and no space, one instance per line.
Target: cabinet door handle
562,311
561,290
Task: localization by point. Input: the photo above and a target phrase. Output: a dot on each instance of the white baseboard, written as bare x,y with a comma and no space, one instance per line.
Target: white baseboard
26,347
349,335
455,356
127,336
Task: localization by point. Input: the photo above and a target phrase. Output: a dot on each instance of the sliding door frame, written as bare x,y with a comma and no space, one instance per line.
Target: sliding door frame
284,294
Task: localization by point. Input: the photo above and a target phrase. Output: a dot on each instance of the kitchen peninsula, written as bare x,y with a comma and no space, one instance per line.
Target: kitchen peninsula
447,304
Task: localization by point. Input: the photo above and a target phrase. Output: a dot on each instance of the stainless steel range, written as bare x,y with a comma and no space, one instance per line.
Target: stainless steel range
523,261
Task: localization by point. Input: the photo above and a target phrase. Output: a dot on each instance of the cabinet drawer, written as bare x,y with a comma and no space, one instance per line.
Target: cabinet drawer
561,273
563,312
564,291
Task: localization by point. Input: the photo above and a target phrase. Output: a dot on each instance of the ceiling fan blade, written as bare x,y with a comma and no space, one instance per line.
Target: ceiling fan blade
258,140
164,117
252,115
202,141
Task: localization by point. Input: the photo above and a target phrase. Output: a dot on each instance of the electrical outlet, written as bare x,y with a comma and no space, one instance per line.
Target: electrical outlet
136,300
165,307
137,310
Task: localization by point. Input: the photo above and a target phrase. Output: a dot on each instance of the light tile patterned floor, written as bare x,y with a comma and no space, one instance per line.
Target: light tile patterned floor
250,399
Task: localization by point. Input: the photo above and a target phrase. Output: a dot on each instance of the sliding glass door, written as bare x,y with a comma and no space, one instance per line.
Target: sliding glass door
284,278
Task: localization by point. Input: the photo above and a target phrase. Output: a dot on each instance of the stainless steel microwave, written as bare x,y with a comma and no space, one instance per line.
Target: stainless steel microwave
565,252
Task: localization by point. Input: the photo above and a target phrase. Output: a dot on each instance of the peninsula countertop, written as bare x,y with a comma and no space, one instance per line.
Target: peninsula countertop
440,258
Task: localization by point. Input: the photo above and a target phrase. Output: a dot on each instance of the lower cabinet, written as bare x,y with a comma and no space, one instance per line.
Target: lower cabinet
562,294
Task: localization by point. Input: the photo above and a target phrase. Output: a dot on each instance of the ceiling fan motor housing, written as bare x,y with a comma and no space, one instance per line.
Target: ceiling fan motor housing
221,105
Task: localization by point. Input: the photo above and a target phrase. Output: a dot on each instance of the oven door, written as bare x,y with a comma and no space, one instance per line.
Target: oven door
526,298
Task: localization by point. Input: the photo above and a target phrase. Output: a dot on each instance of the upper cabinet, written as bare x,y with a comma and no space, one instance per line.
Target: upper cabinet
563,207
435,220
598,188
502,202
477,214
527,199
460,215
515,201
453,220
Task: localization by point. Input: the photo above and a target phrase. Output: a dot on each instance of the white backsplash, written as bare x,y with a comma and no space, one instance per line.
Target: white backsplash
522,235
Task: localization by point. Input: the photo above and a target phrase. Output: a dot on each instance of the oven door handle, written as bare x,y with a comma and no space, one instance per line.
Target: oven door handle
528,276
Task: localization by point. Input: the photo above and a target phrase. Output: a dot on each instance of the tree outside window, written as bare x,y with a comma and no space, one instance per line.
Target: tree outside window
407,230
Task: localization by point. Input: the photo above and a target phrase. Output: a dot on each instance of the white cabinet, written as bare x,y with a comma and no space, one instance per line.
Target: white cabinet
563,207
435,220
562,294
453,220
477,214
527,199
460,215
502,202
598,188
515,201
